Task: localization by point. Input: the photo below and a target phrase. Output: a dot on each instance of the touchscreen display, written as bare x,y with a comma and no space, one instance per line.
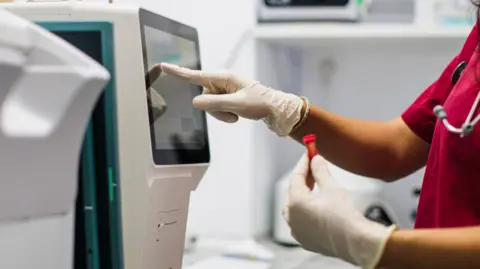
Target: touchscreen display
176,123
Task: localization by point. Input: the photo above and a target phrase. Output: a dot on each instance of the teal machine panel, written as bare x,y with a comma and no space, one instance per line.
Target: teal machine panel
98,231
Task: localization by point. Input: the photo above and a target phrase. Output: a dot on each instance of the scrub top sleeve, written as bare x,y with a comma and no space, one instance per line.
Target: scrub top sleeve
419,116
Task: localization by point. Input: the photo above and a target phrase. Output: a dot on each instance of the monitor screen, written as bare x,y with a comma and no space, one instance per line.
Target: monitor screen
174,116
178,130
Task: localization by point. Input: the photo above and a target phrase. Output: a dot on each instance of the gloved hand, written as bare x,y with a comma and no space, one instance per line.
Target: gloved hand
227,96
327,221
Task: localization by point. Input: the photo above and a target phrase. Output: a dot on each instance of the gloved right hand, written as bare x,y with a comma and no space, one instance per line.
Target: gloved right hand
227,96
327,221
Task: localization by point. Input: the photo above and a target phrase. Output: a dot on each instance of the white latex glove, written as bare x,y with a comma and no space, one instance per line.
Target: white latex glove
227,96
327,222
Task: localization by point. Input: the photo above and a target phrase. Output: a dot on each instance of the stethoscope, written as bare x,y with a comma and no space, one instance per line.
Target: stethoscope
468,125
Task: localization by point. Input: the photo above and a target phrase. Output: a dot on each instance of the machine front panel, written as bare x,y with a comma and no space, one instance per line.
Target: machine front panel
166,224
178,131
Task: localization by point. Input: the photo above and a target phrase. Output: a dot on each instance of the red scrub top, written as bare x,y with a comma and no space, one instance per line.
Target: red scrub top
450,195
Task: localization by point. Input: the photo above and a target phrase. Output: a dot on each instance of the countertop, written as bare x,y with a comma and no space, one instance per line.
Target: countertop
285,258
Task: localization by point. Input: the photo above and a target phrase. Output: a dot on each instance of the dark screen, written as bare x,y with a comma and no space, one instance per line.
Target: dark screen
305,3
174,117
178,131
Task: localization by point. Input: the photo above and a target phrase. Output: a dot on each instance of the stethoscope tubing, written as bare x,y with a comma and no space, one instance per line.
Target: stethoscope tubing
469,124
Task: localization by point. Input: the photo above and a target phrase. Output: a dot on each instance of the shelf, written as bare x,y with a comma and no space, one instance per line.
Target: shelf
301,32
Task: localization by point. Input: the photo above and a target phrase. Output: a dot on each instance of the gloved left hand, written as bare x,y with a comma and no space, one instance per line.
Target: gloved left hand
228,96
327,221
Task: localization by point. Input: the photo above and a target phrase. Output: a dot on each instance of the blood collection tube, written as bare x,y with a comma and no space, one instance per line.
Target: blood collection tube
309,141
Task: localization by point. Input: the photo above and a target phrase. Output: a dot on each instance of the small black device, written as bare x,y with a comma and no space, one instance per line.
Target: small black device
308,10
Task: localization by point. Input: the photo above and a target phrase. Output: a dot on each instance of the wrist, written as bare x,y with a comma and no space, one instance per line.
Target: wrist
304,111
371,242
285,112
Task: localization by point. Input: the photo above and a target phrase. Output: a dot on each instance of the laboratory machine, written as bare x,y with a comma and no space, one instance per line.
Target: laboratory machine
454,12
49,90
149,146
388,11
308,10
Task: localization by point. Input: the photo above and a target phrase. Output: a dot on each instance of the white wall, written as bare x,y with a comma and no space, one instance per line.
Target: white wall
222,204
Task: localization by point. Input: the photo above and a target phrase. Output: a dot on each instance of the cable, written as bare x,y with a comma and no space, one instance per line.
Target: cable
232,56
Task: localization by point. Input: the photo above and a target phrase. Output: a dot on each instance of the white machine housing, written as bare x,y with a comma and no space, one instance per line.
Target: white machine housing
294,10
154,198
49,89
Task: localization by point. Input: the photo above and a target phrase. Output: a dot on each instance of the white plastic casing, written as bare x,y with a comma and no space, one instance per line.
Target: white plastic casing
48,90
154,198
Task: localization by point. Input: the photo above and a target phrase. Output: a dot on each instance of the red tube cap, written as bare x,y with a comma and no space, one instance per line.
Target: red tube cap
309,139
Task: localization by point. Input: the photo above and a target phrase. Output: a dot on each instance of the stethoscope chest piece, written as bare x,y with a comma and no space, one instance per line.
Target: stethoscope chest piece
458,72
470,122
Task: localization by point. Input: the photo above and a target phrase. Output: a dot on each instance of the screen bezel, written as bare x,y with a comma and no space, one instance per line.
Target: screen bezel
172,156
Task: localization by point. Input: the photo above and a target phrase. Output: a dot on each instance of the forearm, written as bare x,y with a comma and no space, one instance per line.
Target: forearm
433,248
362,147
